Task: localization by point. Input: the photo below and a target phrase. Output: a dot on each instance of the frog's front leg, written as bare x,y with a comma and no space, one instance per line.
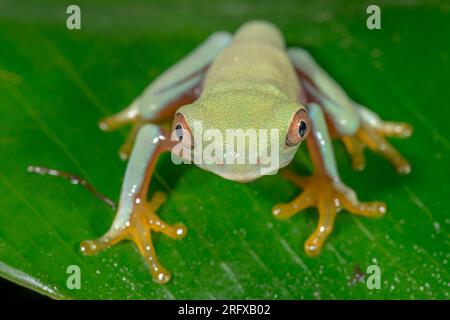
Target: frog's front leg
136,217
179,85
324,189
357,126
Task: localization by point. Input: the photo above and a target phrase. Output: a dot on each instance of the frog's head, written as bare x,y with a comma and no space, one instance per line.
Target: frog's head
240,135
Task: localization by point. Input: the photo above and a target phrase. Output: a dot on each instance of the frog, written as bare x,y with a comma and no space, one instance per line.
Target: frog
248,80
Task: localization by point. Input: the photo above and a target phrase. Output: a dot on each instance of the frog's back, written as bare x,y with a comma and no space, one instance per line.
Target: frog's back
255,60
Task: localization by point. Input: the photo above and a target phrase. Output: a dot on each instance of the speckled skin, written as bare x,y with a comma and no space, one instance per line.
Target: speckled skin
250,85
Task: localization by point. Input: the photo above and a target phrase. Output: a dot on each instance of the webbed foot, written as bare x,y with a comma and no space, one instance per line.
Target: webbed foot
138,229
329,196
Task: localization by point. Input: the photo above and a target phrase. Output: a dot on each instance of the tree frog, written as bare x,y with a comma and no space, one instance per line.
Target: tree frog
248,80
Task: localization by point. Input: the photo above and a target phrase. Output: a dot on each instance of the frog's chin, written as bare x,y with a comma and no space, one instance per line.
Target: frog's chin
244,176
238,178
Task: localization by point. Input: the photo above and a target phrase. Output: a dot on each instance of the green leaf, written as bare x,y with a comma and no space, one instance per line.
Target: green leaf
55,84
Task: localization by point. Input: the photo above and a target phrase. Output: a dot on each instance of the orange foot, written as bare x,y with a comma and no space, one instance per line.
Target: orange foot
374,138
329,197
138,229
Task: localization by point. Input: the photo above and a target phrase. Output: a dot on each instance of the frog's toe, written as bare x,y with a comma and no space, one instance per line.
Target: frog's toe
306,199
90,247
286,210
329,196
297,180
158,199
121,118
141,236
400,130
127,146
125,117
138,229
373,209
327,213
332,200
356,151
146,221
374,139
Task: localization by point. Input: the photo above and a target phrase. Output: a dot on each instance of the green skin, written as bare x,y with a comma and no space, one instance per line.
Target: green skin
250,84
272,113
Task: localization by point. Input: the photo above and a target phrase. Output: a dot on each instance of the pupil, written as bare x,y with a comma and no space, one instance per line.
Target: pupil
179,131
302,129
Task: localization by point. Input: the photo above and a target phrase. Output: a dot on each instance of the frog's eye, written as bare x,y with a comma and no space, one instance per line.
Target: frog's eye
182,131
299,128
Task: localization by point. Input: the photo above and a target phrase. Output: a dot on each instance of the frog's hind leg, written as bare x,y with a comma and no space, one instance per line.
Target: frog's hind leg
357,126
324,189
179,85
136,217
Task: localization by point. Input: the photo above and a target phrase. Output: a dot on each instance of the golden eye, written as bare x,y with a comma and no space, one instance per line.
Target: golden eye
182,131
299,128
